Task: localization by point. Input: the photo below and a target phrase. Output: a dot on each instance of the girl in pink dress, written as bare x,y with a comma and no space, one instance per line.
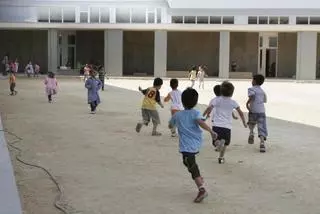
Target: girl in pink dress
51,84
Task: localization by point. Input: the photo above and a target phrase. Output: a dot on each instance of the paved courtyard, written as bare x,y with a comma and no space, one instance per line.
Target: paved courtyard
107,168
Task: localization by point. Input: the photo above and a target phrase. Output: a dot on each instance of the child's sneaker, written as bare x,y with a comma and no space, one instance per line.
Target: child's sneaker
251,139
138,127
221,160
201,195
262,148
156,134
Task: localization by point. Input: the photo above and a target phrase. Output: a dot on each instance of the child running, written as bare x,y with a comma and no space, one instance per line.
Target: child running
223,107
257,115
176,104
51,84
201,75
193,76
188,122
12,83
93,85
148,109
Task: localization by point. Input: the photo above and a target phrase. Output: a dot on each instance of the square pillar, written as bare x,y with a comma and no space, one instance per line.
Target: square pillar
52,50
113,52
160,53
224,54
306,56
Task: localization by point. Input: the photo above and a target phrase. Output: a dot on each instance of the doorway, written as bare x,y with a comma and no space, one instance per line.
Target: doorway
268,54
67,49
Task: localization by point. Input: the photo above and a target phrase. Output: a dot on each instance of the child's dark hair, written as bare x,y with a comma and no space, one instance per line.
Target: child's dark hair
189,98
217,90
194,68
258,79
157,82
227,89
174,83
51,74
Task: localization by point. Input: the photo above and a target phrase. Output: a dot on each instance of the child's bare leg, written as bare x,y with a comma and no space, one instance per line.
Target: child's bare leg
251,134
221,155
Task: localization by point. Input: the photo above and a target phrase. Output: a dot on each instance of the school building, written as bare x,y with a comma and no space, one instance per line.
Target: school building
233,38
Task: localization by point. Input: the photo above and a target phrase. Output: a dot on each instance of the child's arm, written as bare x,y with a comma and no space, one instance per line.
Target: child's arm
143,91
248,103
167,98
158,100
234,116
265,98
207,112
242,117
204,126
88,84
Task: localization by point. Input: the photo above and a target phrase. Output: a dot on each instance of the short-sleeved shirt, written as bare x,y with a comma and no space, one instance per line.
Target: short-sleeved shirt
176,102
151,98
258,99
190,133
224,107
193,75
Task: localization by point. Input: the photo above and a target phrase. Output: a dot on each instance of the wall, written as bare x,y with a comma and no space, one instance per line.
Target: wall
26,45
90,46
186,49
244,50
318,57
287,54
138,52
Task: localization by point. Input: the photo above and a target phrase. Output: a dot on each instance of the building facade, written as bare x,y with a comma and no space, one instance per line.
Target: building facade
166,37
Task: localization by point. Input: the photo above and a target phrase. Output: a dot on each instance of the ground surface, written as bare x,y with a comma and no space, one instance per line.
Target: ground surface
107,168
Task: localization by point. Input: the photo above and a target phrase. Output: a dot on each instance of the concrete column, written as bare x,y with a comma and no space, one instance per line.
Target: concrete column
160,53
52,50
113,52
306,56
224,54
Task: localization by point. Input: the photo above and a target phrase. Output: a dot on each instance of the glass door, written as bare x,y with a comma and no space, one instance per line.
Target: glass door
268,54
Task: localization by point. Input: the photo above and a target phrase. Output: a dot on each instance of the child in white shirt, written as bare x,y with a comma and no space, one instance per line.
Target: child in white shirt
176,103
223,107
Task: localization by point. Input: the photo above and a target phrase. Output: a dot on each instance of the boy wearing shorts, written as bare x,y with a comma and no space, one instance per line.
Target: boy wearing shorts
223,107
148,109
188,122
257,115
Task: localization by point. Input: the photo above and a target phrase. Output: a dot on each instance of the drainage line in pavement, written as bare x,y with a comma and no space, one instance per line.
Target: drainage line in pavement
58,202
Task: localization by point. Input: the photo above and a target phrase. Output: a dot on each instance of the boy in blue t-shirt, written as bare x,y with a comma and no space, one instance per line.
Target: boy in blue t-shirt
188,123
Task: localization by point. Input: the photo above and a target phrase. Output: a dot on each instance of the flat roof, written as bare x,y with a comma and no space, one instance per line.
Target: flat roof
166,27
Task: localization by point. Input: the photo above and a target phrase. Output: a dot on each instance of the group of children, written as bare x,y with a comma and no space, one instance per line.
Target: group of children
197,74
189,121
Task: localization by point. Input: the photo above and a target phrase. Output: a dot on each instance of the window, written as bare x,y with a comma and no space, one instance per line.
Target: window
189,19
215,19
94,15
177,19
302,20
159,15
315,20
273,20
56,14
105,15
273,42
83,17
228,20
69,15
43,14
263,20
138,15
202,19
284,20
253,20
122,15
